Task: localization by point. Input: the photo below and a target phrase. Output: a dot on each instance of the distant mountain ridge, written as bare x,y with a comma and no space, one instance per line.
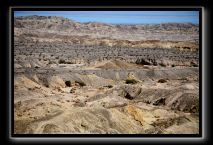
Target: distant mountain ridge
53,28
21,21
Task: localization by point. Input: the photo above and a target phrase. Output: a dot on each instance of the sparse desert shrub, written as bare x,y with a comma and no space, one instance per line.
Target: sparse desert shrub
72,90
61,61
142,62
30,89
50,62
68,83
80,83
155,63
69,62
173,65
131,81
162,81
160,101
194,64
109,86
128,96
162,64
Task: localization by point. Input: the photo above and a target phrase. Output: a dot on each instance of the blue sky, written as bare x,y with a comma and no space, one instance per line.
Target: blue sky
121,17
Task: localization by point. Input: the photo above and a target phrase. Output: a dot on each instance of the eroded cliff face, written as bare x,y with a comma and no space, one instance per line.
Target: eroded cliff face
72,77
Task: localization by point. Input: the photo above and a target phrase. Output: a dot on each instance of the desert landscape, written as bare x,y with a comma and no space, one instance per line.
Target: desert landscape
98,78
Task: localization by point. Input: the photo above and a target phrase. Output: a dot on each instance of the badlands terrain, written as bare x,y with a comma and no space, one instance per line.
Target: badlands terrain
96,78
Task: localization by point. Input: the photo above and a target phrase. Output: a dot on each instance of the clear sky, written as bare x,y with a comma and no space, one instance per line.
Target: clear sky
121,17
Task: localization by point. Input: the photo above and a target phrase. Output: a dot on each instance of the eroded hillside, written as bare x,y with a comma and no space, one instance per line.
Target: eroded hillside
72,77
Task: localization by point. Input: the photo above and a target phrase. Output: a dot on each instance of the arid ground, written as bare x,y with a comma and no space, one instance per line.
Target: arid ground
96,78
